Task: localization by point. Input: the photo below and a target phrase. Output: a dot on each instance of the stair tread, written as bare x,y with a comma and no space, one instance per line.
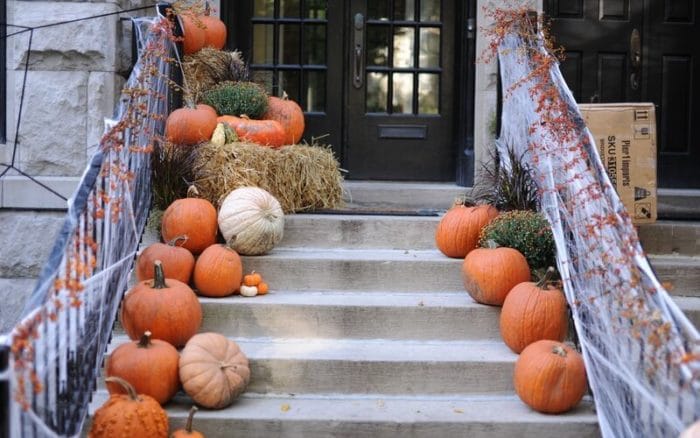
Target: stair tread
456,298
372,350
307,253
400,409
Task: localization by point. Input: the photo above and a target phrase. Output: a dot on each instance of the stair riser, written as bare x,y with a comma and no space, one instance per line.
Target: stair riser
684,278
671,237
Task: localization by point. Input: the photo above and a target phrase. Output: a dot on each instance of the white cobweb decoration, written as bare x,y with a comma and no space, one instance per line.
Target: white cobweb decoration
642,355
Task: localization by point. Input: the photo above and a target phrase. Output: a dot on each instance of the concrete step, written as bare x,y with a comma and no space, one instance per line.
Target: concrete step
348,416
397,196
682,273
671,237
352,315
375,366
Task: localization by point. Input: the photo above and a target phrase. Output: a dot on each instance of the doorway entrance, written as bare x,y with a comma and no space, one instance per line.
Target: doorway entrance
376,79
639,51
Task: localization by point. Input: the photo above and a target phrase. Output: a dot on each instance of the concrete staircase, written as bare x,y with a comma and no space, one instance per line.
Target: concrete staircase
369,332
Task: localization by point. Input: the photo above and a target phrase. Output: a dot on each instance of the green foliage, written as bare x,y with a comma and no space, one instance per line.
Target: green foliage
528,232
237,98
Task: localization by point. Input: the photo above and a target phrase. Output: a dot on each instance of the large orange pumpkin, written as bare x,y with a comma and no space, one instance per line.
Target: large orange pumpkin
132,415
458,231
490,273
167,308
214,32
550,377
263,132
190,126
218,271
192,217
150,365
193,33
532,312
213,370
188,432
289,114
177,261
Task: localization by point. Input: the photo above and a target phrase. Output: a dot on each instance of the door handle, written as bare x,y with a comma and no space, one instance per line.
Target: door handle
358,51
635,58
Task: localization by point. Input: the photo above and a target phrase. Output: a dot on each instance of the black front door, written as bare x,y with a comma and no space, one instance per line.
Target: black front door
639,51
375,78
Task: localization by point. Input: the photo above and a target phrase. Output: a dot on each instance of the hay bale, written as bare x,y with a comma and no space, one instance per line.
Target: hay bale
210,66
301,177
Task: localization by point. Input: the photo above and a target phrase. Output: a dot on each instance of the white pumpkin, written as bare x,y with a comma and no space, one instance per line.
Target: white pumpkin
251,220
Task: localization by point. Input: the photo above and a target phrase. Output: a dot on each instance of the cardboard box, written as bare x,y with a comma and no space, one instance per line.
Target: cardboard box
625,135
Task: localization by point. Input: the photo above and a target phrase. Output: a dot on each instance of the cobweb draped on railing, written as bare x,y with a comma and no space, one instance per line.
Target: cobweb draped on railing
58,347
642,354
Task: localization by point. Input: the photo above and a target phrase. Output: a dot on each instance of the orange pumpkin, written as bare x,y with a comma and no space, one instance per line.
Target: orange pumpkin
178,262
187,432
213,370
550,377
263,288
192,217
289,114
167,308
150,365
458,231
214,32
263,132
252,279
532,312
193,33
190,126
209,109
490,273
218,271
131,415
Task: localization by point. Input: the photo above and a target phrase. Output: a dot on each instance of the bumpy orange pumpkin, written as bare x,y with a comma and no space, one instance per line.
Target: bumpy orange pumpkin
218,271
213,370
550,377
177,261
167,308
458,231
131,415
289,114
190,126
193,33
263,132
490,273
532,312
188,432
192,217
214,32
150,365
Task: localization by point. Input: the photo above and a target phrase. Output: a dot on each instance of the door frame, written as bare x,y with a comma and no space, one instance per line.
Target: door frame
238,15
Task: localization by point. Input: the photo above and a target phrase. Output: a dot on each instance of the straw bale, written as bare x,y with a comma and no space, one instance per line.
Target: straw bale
302,177
208,67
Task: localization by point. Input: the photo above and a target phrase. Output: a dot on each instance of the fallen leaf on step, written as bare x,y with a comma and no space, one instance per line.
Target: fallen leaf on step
285,407
458,411
421,304
668,285
380,403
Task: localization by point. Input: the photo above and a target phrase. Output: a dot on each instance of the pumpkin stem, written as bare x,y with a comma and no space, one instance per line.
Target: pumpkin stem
188,424
559,350
285,96
173,242
245,116
192,191
491,244
124,384
546,278
158,276
145,340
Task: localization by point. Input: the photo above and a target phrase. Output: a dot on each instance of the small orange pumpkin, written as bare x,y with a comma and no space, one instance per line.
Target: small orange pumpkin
252,279
550,377
192,217
169,309
532,312
490,273
218,271
263,132
214,32
188,432
193,32
263,288
150,365
190,126
458,231
213,370
178,262
133,415
289,114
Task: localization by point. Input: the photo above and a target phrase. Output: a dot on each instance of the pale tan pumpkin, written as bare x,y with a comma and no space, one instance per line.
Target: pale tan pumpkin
213,370
251,220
